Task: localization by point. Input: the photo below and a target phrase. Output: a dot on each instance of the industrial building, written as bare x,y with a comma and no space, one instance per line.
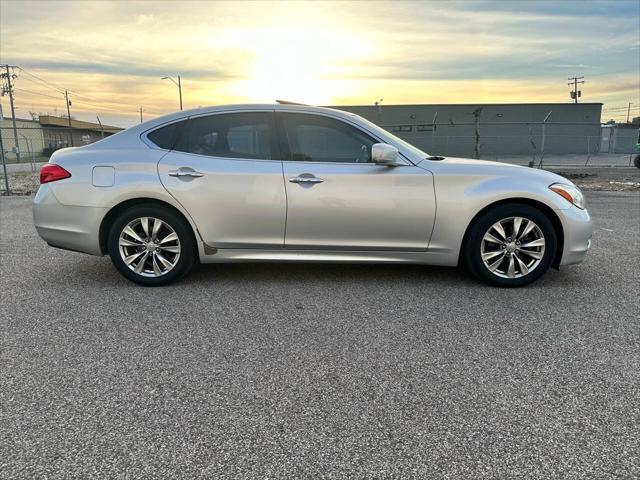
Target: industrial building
490,131
38,138
30,138
502,129
56,132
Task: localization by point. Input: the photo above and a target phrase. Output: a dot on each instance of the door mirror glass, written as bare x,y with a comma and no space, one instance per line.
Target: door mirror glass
384,154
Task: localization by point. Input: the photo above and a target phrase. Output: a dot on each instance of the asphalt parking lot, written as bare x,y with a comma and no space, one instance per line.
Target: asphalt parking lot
313,371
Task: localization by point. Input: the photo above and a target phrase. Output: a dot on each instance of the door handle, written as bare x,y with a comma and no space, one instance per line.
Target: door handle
185,173
302,179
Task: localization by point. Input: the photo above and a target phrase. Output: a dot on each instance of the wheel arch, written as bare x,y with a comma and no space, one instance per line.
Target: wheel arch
117,209
545,209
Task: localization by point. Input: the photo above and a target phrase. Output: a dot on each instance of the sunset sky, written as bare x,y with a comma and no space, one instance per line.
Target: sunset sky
111,55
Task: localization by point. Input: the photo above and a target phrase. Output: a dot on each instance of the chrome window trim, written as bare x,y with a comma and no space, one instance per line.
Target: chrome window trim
367,164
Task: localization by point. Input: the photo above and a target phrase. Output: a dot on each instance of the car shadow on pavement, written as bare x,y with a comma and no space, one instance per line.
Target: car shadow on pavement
84,270
292,273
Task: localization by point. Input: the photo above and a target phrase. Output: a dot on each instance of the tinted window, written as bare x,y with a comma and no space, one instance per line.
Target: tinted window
313,138
231,135
165,137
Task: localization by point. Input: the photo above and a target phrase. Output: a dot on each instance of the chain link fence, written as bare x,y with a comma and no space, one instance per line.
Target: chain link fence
537,144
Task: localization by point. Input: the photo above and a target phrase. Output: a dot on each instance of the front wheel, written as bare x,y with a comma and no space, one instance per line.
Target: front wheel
511,245
636,161
151,245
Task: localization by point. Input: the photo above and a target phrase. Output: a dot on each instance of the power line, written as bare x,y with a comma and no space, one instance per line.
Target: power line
82,99
144,99
121,109
76,94
38,83
36,93
619,109
61,90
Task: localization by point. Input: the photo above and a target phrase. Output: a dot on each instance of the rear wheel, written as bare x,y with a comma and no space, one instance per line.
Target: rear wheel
151,245
636,161
511,245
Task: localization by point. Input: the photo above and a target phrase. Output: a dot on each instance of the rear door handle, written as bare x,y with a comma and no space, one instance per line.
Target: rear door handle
302,179
185,173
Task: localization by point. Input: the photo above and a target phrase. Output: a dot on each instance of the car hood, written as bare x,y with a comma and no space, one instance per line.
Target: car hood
474,167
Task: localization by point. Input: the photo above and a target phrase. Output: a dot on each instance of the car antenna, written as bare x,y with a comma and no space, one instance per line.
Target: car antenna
287,102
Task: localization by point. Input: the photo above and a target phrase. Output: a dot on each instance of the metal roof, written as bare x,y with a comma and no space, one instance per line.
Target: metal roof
51,121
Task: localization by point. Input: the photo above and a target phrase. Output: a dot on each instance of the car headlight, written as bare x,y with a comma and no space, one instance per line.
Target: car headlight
570,193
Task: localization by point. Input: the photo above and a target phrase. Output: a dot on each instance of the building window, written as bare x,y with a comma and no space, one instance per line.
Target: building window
402,128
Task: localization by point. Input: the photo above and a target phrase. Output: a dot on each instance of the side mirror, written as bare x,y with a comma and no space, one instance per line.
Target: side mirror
384,154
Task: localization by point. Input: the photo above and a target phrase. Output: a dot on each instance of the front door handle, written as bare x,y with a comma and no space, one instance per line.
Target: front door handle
306,178
185,173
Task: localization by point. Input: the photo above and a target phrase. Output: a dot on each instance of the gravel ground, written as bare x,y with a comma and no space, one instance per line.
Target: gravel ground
319,371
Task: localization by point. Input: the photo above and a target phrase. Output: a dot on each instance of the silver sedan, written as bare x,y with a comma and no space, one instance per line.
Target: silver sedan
249,183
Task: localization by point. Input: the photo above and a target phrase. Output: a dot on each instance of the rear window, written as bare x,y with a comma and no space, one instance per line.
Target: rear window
244,135
165,137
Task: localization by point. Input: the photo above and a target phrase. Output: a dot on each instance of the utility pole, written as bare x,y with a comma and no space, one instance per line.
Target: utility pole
628,111
575,93
4,163
140,113
66,96
9,89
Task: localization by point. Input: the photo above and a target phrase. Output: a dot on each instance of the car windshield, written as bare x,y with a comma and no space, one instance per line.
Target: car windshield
381,130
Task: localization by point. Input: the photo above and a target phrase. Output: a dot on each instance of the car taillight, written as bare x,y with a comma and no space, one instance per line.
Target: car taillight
50,172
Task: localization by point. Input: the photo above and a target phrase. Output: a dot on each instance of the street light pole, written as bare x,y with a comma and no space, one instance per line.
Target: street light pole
178,84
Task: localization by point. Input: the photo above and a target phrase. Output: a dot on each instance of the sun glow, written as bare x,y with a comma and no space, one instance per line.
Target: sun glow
298,64
323,53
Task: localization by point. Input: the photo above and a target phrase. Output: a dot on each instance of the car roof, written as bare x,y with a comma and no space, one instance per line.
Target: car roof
131,136
246,107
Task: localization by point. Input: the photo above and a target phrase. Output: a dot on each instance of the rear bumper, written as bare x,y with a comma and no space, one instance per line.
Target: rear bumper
577,234
65,226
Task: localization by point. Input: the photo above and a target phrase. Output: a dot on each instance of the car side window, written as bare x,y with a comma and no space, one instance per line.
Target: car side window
229,135
315,138
165,137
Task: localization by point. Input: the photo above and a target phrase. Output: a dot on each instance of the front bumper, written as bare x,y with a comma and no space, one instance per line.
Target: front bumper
65,226
578,230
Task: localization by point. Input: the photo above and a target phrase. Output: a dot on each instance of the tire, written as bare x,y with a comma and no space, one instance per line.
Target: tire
636,161
166,252
532,251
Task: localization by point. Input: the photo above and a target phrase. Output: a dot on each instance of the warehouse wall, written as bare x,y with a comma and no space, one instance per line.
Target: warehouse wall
504,128
30,138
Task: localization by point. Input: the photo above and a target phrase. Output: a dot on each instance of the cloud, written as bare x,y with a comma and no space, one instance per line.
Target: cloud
323,51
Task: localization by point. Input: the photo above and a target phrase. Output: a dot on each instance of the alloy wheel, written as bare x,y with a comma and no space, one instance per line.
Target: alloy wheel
149,246
512,247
